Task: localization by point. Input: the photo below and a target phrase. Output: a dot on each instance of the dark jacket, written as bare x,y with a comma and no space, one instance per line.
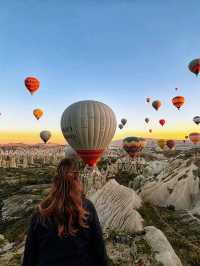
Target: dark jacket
45,248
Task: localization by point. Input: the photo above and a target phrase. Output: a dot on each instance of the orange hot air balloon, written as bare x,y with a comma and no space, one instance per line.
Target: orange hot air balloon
37,113
194,66
162,122
178,101
194,137
32,84
156,104
170,144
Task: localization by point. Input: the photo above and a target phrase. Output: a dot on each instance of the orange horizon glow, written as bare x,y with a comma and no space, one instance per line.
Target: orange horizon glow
29,137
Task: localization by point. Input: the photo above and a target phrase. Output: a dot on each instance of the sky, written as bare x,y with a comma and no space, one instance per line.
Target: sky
113,51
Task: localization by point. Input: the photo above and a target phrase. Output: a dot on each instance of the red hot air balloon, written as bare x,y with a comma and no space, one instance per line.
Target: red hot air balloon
194,66
170,144
162,122
178,101
156,104
32,84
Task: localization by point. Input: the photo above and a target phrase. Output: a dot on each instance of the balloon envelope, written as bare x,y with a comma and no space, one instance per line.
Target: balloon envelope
120,126
194,137
170,144
37,113
32,84
45,135
89,127
178,101
194,66
162,122
156,104
196,120
124,121
133,145
148,99
147,120
161,143
70,153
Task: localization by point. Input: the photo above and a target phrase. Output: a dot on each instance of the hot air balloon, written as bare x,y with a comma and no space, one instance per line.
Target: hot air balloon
194,66
45,135
162,122
133,145
196,120
170,144
178,101
147,120
148,99
156,104
194,137
161,143
150,130
186,137
176,89
32,84
89,127
123,121
70,153
37,113
120,126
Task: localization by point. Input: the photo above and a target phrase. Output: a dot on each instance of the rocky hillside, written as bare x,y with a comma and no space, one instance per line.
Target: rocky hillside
130,241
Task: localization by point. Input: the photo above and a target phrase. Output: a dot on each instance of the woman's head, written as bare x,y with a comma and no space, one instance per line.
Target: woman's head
65,200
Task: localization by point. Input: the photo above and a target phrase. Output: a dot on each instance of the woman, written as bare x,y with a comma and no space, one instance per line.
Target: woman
65,231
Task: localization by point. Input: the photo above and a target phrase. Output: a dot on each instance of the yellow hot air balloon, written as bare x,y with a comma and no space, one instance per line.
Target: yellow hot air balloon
88,126
161,143
38,113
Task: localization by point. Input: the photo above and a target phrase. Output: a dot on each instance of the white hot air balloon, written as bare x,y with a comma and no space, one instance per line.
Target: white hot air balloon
70,153
45,135
88,126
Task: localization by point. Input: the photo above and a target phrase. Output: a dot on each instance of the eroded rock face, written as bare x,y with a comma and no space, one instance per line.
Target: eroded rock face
161,246
116,206
178,185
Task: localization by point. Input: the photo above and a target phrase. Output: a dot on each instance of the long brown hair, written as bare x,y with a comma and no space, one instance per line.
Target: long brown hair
65,200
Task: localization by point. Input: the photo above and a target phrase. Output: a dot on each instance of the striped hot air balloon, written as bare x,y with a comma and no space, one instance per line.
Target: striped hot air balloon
194,66
88,126
178,101
194,137
133,145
